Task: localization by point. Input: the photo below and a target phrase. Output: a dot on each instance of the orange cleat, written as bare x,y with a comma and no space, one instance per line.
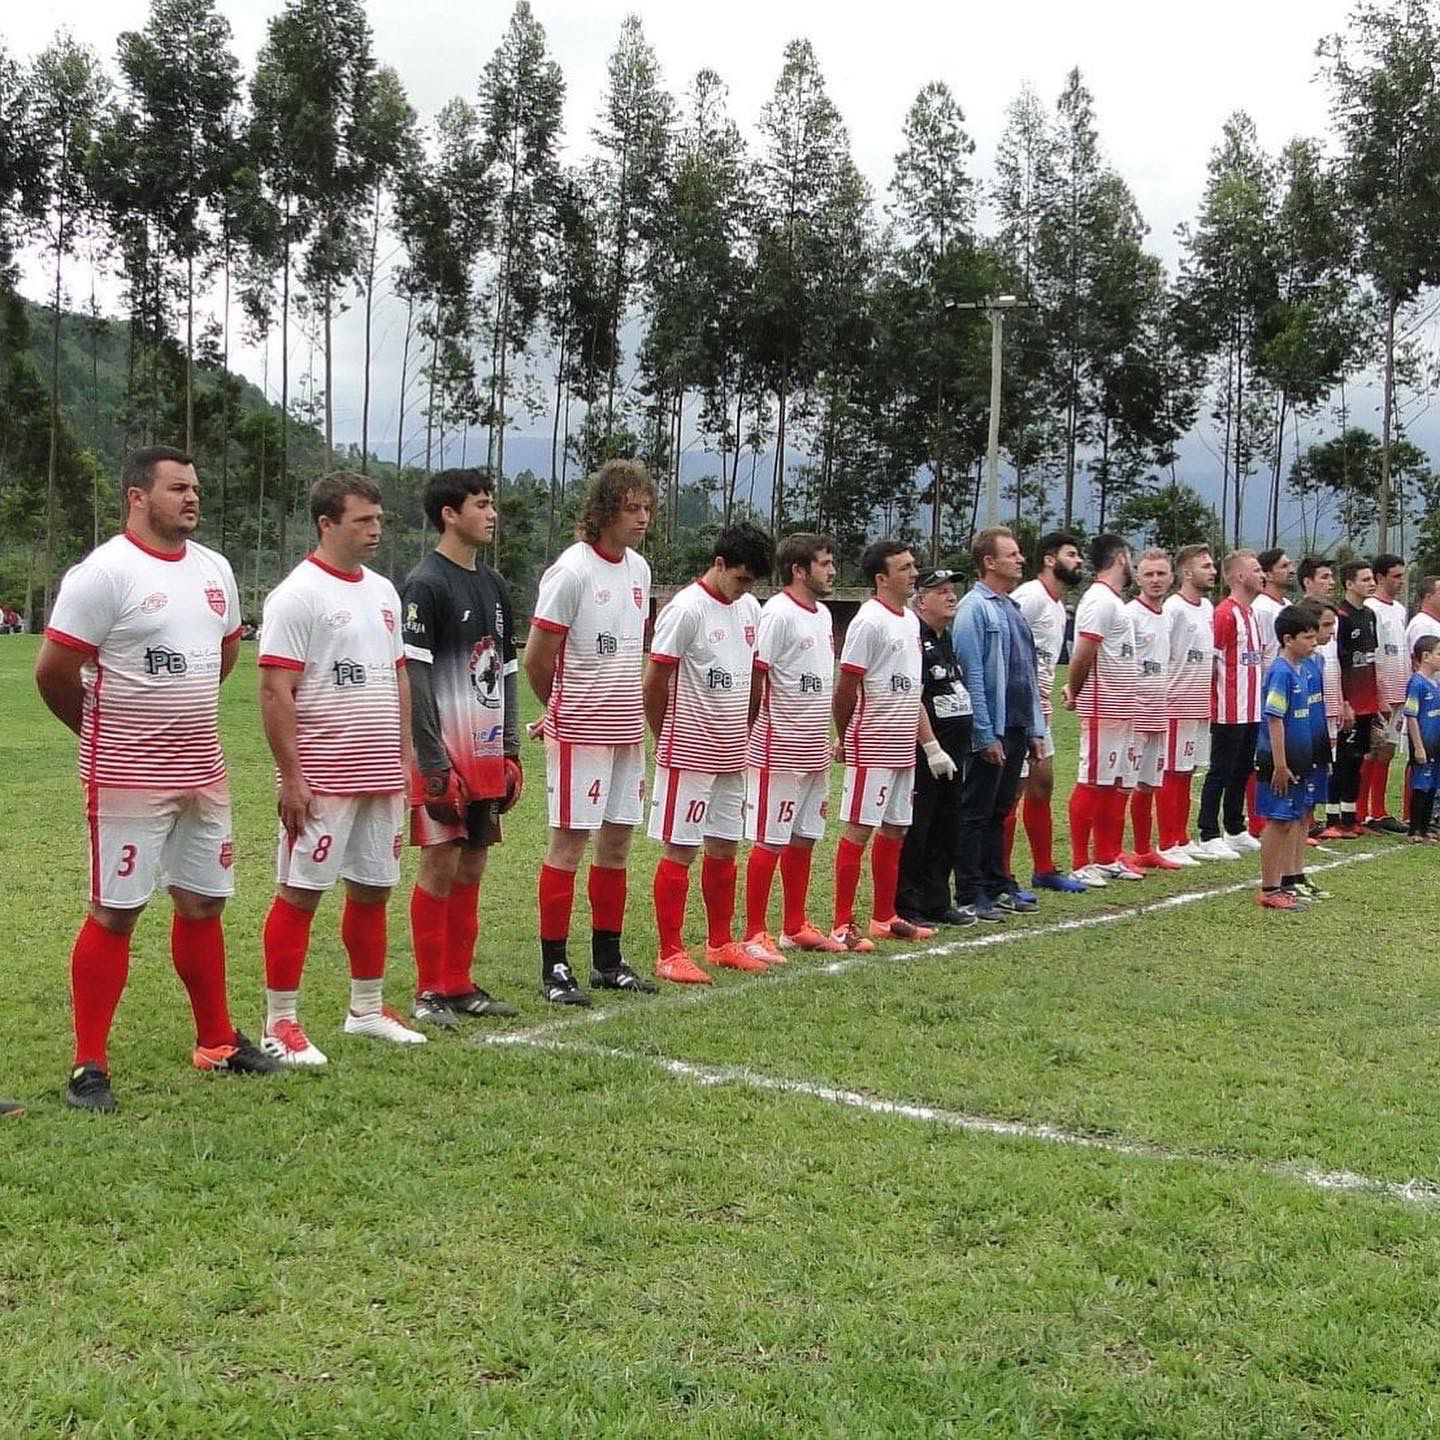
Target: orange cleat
734,956
807,937
897,929
679,967
762,945
848,937
1276,900
1153,860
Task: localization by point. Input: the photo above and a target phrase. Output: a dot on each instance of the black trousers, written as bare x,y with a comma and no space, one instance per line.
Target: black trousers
1351,748
934,833
1232,762
987,797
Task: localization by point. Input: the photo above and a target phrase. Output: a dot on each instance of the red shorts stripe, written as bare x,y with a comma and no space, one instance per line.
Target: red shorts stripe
565,761
92,819
1092,775
857,795
672,792
764,803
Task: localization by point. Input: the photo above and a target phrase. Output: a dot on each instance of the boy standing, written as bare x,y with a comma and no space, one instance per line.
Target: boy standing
1422,721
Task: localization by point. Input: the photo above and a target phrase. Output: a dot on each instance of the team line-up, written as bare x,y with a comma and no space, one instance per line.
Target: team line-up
382,705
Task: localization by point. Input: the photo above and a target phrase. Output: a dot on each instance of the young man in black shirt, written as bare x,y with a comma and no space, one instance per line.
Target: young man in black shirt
1356,641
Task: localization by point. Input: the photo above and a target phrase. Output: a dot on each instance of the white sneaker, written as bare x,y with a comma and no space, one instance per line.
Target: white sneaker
1179,855
1091,875
1215,849
286,1042
383,1024
1242,842
1119,870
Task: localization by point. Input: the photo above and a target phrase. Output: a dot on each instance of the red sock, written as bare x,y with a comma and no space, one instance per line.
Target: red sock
885,874
363,933
672,890
557,900
1254,824
1007,839
1109,824
1167,809
462,929
99,967
795,882
197,950
1040,832
429,931
285,940
759,879
606,886
1083,807
1142,810
847,880
717,885
1379,789
1362,802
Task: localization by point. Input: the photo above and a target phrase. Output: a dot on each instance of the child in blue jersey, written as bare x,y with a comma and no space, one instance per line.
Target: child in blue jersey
1285,759
1322,728
1422,720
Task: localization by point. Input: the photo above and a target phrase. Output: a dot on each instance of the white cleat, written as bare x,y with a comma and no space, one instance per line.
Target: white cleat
383,1024
1119,870
286,1042
1242,842
1215,849
1091,875
1179,855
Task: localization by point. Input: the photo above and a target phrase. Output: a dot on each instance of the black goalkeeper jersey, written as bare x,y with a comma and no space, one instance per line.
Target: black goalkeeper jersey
460,645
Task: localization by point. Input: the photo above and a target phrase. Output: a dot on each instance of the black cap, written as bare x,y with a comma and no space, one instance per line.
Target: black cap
929,579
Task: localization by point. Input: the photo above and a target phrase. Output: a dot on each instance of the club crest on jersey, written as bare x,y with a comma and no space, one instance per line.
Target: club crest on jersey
227,854
485,673
638,596
338,620
388,616
750,636
216,596
151,603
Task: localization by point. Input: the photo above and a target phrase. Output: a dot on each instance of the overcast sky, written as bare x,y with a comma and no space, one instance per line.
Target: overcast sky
1164,78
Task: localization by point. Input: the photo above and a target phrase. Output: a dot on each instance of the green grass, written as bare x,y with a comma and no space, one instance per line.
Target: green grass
506,1240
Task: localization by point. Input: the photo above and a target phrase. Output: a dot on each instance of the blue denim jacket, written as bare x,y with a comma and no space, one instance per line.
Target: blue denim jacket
980,633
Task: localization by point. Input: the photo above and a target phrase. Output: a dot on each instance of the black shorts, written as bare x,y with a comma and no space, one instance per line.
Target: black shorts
480,831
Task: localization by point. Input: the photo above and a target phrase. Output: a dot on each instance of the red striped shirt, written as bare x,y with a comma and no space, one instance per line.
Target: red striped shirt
1239,657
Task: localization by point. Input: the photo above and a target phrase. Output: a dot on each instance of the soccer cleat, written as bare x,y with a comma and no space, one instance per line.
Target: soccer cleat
11,1109
679,967
1016,902
480,1004
735,955
1154,860
1385,825
1118,869
1180,856
622,977
559,987
89,1089
432,1008
1302,902
286,1042
241,1058
383,1024
1277,900
1092,877
762,946
1242,842
810,938
986,909
1215,849
1309,890
1339,832
848,937
1054,880
956,915
896,928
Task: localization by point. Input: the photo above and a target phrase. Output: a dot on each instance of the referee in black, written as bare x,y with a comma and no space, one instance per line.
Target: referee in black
923,893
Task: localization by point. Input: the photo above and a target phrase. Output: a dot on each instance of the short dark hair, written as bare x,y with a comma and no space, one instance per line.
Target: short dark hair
1269,559
985,545
452,488
329,493
1314,608
745,544
875,558
1054,543
1423,646
1351,568
803,548
1103,550
1295,620
1427,587
137,470
1385,562
605,497
1312,565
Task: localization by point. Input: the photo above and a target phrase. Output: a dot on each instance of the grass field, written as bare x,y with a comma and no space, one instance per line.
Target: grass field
660,1219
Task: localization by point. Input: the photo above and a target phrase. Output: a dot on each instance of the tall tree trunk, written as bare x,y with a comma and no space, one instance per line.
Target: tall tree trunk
95,390
430,415
1273,535
370,264
1387,425
225,400
53,462
284,467
622,239
1239,440
777,487
329,316
555,448
189,352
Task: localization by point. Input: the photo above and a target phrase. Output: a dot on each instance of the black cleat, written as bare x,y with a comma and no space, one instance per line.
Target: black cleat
434,1010
89,1089
1386,825
480,1004
241,1058
559,987
622,977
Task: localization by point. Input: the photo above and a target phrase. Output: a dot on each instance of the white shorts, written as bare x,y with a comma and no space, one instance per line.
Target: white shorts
1047,749
347,837
1150,747
1107,754
782,803
587,786
688,806
1394,731
1187,746
878,795
143,838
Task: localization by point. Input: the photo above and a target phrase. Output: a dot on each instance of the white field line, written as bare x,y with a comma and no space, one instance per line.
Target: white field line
1415,1192
1008,934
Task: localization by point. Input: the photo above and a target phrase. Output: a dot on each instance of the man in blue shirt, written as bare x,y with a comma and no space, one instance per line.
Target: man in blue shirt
996,651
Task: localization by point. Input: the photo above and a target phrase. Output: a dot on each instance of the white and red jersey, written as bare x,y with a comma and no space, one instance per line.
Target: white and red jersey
1109,693
151,625
709,644
795,651
1239,669
599,604
1328,655
1266,610
882,646
1192,657
1420,626
1392,659
1045,615
1152,658
342,633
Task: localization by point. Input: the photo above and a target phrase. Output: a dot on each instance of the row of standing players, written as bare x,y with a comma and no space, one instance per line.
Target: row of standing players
370,697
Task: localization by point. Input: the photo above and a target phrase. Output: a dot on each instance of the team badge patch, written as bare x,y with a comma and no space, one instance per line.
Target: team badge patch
151,603
750,636
638,596
388,616
216,596
227,854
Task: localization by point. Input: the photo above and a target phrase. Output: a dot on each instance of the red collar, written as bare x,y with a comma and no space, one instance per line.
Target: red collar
354,578
1045,585
610,559
713,594
170,555
811,608
889,606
